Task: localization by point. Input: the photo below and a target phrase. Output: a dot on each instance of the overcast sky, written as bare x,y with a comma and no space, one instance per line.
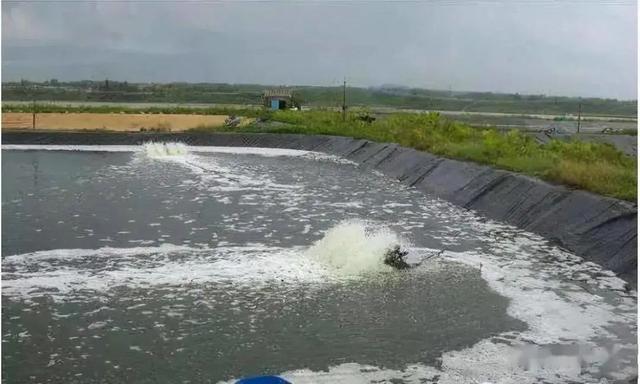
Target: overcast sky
575,48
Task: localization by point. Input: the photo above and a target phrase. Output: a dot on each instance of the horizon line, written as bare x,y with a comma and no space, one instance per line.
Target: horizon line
381,86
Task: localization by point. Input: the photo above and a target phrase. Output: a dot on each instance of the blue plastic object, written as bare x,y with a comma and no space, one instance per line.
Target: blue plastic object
263,380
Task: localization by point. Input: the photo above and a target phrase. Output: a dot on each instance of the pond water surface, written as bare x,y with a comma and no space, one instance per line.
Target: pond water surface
175,264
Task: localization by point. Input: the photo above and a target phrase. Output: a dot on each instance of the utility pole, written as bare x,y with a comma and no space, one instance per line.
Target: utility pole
344,100
33,120
579,115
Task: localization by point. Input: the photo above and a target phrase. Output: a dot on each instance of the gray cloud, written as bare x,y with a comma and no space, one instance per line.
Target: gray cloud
552,47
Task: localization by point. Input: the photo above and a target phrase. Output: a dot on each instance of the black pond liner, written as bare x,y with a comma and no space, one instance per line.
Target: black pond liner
600,229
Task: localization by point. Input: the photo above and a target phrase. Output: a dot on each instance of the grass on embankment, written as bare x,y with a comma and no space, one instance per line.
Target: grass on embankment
595,167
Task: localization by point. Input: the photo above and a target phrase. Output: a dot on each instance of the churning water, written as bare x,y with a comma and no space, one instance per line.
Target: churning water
173,264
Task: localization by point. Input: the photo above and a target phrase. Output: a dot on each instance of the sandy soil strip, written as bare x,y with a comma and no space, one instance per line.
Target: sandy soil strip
110,121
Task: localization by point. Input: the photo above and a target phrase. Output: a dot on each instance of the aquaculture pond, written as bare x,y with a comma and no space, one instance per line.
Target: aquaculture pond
164,263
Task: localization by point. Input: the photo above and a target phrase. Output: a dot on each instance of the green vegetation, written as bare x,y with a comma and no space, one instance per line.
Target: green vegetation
595,167
250,94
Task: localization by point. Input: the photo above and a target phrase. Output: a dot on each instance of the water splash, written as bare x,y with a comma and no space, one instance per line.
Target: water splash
347,251
162,150
355,247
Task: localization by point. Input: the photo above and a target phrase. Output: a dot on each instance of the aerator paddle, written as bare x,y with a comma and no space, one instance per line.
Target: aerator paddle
263,380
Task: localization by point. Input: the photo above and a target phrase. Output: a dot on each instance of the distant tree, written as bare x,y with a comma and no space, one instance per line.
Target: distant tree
296,100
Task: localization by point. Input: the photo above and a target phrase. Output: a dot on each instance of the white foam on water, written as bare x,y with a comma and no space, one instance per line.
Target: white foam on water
558,295
354,247
215,177
72,254
535,299
348,250
557,308
156,146
212,175
71,148
61,272
498,363
156,150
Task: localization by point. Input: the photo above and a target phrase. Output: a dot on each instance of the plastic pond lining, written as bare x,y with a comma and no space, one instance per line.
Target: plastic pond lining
600,229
